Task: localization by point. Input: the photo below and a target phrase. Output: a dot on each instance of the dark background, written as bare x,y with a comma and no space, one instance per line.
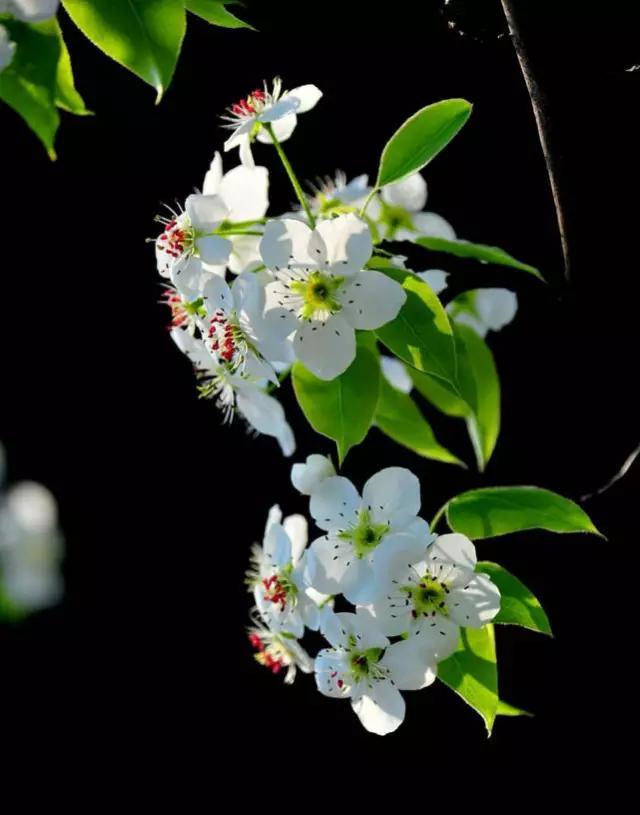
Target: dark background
147,657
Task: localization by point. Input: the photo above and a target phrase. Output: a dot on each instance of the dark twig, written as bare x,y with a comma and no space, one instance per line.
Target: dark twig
620,474
537,103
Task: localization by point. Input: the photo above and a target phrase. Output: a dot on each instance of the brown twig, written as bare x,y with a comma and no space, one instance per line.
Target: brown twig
537,103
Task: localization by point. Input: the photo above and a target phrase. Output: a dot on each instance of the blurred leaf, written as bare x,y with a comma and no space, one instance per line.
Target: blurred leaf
342,408
144,36
478,251
398,417
494,511
518,606
66,95
421,138
214,11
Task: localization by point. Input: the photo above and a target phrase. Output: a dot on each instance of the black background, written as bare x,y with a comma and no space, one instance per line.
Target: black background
147,657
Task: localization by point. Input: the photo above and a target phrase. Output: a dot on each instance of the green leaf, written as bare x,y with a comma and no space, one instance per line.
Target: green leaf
342,408
472,672
214,11
478,251
66,95
494,511
421,334
28,83
9,611
421,138
505,709
144,36
479,383
398,417
518,606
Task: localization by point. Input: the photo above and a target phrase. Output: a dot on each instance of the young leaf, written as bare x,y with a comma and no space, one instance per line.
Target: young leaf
66,96
28,83
398,417
421,138
494,511
478,251
518,606
214,11
421,334
505,709
342,408
472,672
144,36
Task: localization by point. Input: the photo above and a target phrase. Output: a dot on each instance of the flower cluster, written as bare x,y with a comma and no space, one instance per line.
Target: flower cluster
30,548
28,11
412,591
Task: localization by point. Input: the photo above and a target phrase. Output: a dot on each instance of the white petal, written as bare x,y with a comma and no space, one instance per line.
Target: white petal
396,374
205,211
326,349
274,516
285,240
7,48
284,107
396,551
190,277
437,635
454,548
194,349
307,97
32,11
297,529
435,278
335,504
332,674
380,708
277,546
240,136
393,495
411,667
475,604
212,179
244,191
433,225
32,507
348,242
328,563
371,300
496,307
244,253
283,128
264,413
307,477
410,193
217,295
246,156
214,249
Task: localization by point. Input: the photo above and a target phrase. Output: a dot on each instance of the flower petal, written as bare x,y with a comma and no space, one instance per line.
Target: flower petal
307,97
437,635
283,241
393,496
371,300
348,242
307,477
410,193
214,249
328,563
283,128
454,548
435,278
239,136
211,183
496,307
297,529
288,104
379,707
325,348
332,674
190,277
205,211
266,415
244,191
433,225
396,374
475,604
411,666
276,547
335,503
217,295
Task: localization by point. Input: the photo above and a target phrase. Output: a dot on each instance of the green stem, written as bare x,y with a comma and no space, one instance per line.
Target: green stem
242,224
292,176
368,201
224,232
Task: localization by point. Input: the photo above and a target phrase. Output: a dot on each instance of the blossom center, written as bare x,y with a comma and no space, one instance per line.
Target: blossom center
268,654
252,104
176,239
227,339
364,664
428,597
319,294
280,589
364,535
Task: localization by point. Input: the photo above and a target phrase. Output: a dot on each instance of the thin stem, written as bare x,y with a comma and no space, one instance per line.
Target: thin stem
224,232
537,103
242,224
368,201
292,176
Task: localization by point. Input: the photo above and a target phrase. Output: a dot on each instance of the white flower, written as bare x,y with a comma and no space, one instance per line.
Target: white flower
362,666
278,651
274,107
433,597
30,11
484,310
362,533
7,48
238,196
321,293
282,597
396,373
435,278
233,392
30,547
399,212
329,194
307,477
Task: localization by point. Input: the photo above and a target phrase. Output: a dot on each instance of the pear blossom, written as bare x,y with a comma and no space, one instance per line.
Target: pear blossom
30,546
238,196
279,652
330,194
433,597
283,599
276,107
399,212
307,477
484,310
435,278
321,293
233,392
30,11
361,665
7,48
363,532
